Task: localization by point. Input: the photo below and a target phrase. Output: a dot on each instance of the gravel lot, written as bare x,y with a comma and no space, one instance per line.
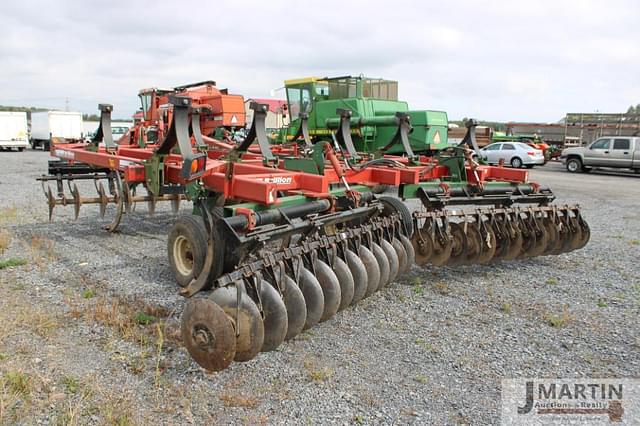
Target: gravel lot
88,325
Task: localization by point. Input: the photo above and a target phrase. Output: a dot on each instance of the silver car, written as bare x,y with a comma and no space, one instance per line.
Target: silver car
516,154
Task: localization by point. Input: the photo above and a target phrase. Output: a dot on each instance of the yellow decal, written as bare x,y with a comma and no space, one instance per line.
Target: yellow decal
112,163
436,137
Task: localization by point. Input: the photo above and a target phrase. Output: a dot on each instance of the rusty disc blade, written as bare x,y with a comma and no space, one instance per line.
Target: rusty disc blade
422,247
541,240
528,238
515,243
458,244
359,274
573,229
402,256
208,334
552,234
488,239
246,318
474,244
502,239
441,251
585,234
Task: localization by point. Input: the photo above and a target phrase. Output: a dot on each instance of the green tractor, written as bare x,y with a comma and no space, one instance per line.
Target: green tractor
373,110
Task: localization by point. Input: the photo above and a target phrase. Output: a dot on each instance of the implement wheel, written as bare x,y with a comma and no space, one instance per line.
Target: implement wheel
187,248
395,205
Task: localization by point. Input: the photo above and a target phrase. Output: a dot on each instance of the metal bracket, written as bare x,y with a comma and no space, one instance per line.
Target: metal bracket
179,134
258,131
194,127
470,137
343,136
402,135
103,134
303,131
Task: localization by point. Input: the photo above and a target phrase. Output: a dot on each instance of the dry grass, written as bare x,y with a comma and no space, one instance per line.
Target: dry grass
441,288
5,240
18,318
558,320
42,250
317,373
8,215
230,399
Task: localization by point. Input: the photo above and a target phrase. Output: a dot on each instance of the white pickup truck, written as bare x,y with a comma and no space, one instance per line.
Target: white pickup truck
620,152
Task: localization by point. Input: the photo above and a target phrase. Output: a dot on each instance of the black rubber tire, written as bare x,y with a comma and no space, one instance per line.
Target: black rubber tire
516,162
574,165
192,229
379,189
393,205
529,166
21,149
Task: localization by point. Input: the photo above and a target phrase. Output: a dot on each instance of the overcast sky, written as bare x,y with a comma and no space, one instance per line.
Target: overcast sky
494,60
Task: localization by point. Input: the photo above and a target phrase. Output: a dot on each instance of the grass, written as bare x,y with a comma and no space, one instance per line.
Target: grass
558,320
602,303
239,400
88,294
5,240
552,281
421,379
635,242
144,319
8,215
506,308
12,262
442,288
18,383
316,373
71,384
426,345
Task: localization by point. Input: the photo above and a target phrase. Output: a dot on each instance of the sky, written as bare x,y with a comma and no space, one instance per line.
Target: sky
491,60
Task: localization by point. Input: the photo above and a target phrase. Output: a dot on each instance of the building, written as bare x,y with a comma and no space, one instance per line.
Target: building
580,128
277,116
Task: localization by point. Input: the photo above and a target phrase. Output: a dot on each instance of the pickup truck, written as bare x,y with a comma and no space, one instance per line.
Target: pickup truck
622,152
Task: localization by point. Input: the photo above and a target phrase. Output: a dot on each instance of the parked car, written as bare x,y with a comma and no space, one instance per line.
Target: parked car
517,154
613,151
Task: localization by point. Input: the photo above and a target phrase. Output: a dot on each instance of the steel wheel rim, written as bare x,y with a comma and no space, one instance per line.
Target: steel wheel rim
183,255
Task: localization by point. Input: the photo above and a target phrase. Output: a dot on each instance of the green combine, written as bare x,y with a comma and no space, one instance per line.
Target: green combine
374,110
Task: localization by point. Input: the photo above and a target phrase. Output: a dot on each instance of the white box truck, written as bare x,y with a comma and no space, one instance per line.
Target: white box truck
14,132
55,124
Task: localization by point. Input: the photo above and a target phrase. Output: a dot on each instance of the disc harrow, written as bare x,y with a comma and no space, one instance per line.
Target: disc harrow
282,239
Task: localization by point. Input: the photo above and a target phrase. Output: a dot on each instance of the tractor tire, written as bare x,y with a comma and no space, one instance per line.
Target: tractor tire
516,162
574,165
393,205
187,248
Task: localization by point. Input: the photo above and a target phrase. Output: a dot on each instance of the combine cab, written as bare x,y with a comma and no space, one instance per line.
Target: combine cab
281,239
373,104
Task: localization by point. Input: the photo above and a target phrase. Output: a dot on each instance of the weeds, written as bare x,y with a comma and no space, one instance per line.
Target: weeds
8,215
558,321
552,281
13,262
18,383
239,400
88,294
602,303
317,374
71,384
442,288
506,308
5,240
426,345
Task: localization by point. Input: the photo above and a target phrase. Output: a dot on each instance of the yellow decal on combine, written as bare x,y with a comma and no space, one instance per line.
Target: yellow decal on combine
112,163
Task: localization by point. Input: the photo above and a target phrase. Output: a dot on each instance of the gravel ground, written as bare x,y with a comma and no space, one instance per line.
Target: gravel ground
88,326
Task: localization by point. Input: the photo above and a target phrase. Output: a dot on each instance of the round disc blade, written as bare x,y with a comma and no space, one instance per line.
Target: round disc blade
552,234
576,236
296,308
402,256
359,274
313,297
330,289
408,248
373,270
458,244
394,263
274,316
585,233
423,248
528,238
515,242
383,263
246,318
488,245
540,245
502,238
474,244
208,334
346,282
441,251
